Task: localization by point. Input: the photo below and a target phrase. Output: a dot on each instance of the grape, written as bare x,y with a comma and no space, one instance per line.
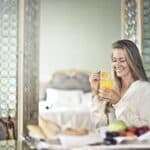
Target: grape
112,134
110,141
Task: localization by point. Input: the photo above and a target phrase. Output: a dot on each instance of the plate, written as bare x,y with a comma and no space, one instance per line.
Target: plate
76,141
120,139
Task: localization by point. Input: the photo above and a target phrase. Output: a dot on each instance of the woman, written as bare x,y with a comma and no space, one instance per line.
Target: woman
130,100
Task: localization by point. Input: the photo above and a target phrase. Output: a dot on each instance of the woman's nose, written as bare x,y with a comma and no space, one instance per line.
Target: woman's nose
117,63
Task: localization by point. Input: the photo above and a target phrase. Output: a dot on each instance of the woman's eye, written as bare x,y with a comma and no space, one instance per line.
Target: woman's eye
114,60
122,61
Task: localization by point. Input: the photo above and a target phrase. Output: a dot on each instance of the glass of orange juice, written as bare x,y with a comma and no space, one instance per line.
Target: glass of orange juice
105,80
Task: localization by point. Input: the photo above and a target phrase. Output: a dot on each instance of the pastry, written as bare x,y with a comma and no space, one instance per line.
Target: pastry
48,127
36,131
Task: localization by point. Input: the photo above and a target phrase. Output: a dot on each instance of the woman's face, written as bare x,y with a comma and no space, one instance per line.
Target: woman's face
120,64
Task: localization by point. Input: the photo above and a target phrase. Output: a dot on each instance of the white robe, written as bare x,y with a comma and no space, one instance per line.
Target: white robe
133,107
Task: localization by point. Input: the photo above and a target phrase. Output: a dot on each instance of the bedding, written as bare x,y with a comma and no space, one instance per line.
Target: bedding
78,118
70,80
86,99
66,80
68,100
57,97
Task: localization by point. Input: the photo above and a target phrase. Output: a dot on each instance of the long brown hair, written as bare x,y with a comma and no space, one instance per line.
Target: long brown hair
133,59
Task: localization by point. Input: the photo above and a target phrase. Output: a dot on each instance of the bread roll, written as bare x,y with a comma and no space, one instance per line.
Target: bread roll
36,131
48,127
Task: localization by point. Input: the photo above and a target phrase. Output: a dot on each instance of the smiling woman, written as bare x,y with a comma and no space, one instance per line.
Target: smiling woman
131,85
119,62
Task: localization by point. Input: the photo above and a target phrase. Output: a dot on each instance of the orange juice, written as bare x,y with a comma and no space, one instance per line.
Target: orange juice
104,75
105,81
106,84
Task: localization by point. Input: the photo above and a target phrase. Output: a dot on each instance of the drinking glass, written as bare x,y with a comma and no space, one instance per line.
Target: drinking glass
105,80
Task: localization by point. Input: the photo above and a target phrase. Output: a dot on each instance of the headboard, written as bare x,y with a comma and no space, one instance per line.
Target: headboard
68,80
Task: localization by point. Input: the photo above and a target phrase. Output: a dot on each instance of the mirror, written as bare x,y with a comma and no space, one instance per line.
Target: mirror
77,34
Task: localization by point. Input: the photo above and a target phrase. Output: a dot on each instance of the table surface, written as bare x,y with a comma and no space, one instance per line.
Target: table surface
114,147
43,145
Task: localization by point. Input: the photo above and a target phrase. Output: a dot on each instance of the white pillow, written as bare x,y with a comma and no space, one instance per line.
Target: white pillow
67,98
86,99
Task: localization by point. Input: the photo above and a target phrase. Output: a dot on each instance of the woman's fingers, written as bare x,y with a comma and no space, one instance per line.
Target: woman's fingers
105,93
95,77
94,81
109,95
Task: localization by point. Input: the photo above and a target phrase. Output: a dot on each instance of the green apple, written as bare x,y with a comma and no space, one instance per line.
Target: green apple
117,126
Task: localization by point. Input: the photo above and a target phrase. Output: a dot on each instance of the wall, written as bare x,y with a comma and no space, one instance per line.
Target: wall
77,34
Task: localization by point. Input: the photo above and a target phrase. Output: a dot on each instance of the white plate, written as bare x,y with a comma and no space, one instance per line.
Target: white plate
125,139
143,137
76,141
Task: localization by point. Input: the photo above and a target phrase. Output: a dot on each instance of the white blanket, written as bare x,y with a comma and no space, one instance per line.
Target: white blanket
67,117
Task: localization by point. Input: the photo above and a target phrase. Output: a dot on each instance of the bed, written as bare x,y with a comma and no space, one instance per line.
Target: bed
67,100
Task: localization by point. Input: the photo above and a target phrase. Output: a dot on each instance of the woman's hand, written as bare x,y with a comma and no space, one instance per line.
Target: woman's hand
94,81
109,95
